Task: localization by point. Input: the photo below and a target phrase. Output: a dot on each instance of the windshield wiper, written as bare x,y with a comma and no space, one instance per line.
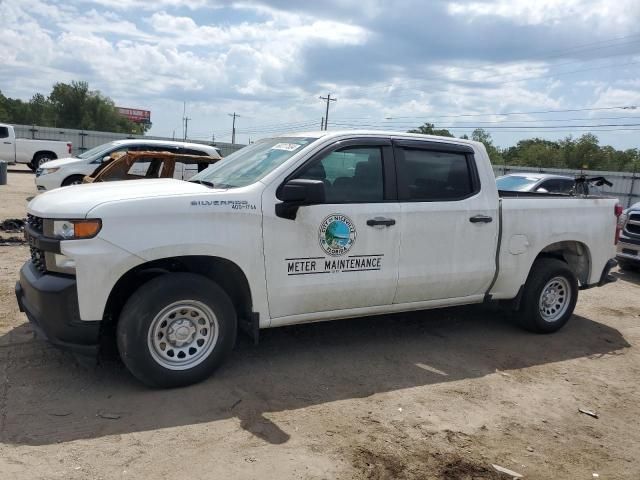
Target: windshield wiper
203,182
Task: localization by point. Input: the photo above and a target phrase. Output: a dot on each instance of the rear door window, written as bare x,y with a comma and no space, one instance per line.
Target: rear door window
428,175
4,132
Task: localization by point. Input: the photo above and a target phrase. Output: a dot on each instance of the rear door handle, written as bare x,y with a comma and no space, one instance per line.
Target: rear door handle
387,222
7,143
481,219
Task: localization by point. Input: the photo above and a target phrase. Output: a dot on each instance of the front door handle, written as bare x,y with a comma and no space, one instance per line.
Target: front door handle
481,219
387,222
7,143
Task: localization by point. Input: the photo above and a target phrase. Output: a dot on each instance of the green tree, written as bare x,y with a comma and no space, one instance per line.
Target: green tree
481,135
429,129
71,105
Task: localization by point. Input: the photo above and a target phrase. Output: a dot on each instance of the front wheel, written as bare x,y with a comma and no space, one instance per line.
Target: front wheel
550,296
72,180
176,329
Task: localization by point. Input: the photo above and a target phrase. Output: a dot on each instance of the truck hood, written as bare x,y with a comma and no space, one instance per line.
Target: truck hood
65,162
75,201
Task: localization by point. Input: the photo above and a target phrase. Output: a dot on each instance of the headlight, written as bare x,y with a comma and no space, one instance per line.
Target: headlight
47,171
622,219
76,229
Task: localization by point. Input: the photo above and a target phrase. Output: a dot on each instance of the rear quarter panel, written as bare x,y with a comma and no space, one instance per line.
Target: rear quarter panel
26,148
529,225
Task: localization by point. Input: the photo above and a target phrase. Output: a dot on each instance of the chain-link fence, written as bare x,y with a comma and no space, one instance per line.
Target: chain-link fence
83,140
626,185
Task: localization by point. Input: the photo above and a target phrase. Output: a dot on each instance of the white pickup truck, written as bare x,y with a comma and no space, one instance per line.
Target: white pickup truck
301,228
30,151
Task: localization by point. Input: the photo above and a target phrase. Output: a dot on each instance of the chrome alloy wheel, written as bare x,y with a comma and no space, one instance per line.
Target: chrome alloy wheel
555,299
183,335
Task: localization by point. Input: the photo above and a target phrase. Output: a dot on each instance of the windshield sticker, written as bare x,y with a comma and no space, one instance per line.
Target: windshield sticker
337,234
352,263
287,147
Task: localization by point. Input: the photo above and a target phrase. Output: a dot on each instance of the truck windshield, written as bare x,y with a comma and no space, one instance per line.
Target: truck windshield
515,183
251,163
97,152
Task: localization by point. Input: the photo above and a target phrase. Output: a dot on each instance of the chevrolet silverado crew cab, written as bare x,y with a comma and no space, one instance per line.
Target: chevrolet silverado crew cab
30,151
301,228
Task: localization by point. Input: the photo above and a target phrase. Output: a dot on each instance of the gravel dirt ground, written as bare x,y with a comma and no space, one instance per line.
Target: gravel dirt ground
437,394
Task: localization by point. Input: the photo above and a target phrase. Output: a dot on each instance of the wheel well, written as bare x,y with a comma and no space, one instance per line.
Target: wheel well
224,272
573,253
42,152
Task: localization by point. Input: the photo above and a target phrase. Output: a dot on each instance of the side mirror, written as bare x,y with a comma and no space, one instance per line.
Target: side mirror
297,193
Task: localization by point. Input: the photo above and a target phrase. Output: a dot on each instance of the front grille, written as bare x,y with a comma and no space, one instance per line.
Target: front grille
633,224
37,255
35,222
37,258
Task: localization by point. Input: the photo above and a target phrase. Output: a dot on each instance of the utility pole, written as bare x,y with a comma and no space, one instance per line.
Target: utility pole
185,119
322,123
213,139
326,115
233,128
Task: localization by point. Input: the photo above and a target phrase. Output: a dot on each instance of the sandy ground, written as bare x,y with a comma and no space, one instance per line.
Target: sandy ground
439,394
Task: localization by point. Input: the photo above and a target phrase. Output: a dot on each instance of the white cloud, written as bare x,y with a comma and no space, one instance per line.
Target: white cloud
263,61
527,12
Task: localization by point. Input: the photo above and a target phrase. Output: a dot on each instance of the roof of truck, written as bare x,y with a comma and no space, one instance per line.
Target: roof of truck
376,133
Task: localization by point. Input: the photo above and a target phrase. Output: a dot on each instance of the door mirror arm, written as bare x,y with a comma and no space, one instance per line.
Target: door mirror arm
298,193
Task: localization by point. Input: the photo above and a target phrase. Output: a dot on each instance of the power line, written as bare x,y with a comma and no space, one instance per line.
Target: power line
453,127
497,114
589,119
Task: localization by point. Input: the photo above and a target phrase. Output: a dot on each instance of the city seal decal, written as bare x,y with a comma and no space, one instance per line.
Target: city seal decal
337,234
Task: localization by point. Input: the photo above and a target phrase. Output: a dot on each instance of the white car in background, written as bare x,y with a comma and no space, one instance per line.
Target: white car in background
536,182
71,171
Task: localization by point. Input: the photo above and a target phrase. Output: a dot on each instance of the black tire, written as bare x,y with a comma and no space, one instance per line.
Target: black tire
72,180
41,158
542,272
138,316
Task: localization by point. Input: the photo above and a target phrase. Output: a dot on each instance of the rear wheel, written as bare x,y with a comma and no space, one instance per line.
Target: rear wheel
72,180
176,330
550,296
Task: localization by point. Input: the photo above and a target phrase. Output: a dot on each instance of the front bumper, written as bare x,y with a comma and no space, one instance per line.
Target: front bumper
50,302
628,250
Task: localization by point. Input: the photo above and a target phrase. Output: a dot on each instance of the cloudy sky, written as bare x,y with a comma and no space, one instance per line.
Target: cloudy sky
392,65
